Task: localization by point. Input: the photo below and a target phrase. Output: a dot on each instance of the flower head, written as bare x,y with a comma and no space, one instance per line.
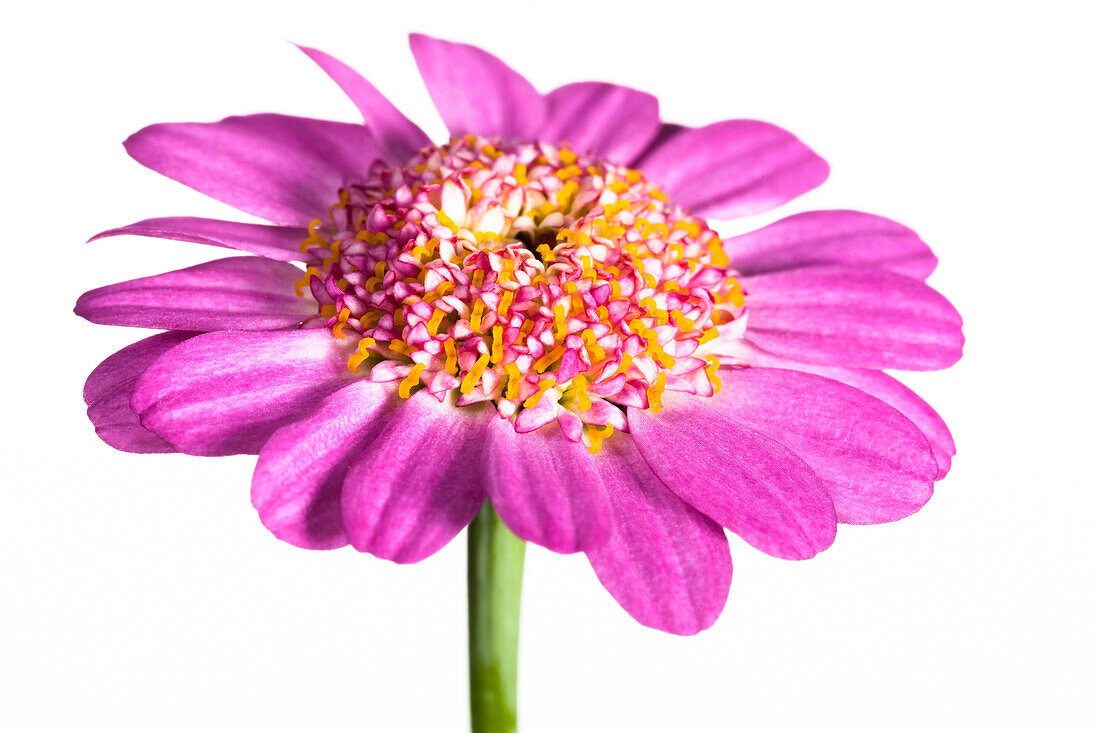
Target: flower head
534,312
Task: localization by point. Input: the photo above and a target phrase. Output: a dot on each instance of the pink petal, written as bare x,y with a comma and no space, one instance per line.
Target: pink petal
398,137
665,132
546,488
285,169
296,485
877,384
475,92
831,238
616,123
224,393
875,464
110,386
854,317
244,293
417,485
734,168
743,480
273,242
664,562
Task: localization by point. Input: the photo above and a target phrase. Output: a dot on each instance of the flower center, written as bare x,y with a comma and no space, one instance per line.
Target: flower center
558,286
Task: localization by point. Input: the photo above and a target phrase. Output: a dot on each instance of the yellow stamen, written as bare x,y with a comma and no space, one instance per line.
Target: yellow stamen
410,381
712,372
447,221
514,380
565,195
578,388
338,329
596,437
505,302
361,354
654,393
474,375
534,399
624,366
736,295
595,351
437,318
451,367
311,272
549,358
475,317
498,344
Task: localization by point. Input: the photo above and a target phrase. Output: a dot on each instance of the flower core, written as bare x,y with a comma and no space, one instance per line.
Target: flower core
558,286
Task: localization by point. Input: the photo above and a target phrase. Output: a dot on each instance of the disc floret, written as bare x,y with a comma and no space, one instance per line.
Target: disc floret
558,286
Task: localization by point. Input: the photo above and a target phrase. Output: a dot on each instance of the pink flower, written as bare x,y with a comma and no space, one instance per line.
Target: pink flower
537,313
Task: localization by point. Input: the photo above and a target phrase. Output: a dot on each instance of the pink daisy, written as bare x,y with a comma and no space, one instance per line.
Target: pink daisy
533,315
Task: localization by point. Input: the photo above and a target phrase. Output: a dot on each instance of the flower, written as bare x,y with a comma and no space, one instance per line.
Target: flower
535,312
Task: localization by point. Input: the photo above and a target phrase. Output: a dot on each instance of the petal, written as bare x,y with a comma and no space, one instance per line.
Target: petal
665,132
398,137
273,242
734,168
853,316
743,480
666,564
417,485
831,238
617,123
475,92
245,293
908,403
110,386
875,383
296,485
875,464
546,488
285,169
225,393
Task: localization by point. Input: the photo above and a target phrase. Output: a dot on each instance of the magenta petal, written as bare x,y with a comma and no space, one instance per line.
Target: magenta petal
110,386
877,384
225,393
853,316
734,168
243,293
617,123
906,401
285,169
417,485
664,562
273,242
831,238
475,92
398,137
546,488
874,462
743,480
296,485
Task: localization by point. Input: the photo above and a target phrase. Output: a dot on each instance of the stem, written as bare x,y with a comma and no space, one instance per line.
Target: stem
494,578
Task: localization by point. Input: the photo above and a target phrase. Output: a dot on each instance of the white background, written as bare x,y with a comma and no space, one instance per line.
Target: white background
140,593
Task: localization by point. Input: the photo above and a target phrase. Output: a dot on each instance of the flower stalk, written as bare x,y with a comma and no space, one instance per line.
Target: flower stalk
494,579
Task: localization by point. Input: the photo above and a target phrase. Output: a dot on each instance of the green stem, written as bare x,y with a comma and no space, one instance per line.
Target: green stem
494,577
